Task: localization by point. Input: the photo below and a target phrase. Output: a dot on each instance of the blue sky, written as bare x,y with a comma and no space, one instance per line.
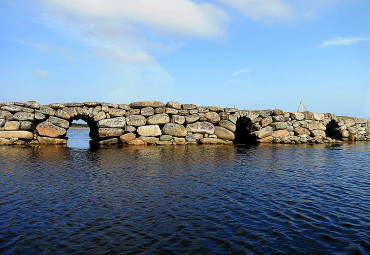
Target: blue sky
251,54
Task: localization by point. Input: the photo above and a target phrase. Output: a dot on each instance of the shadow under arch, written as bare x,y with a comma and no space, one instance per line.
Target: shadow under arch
93,128
333,130
244,128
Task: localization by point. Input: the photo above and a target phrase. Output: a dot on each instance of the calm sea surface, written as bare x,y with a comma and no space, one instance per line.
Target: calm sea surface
272,199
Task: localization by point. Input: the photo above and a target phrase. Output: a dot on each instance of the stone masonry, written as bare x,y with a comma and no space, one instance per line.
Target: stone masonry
156,123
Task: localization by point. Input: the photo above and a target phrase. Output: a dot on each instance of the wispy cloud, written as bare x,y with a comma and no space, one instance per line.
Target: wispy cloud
344,41
261,10
41,73
241,71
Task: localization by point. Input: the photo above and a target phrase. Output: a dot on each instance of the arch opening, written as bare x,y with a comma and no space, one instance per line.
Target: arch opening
82,133
333,130
243,132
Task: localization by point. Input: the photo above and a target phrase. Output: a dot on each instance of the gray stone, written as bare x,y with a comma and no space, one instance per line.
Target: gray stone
119,122
318,116
92,104
12,108
39,116
183,112
212,117
278,118
125,107
111,105
191,118
279,125
224,133
12,125
6,115
56,106
264,132
174,129
203,109
214,141
32,104
230,110
48,140
159,110
173,104
147,111
114,112
149,139
178,119
26,125
349,122
215,109
62,114
171,111
130,129
46,110
151,130
233,117
24,116
2,122
59,122
188,106
133,112
100,116
136,120
296,116
353,130
318,133
158,119
228,125
201,127
194,111
110,141
143,104
166,138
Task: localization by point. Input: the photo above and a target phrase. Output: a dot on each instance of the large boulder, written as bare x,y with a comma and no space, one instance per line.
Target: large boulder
99,116
214,141
119,122
281,133
266,121
192,118
127,137
147,111
301,131
136,120
48,140
16,134
173,104
47,128
62,114
158,119
178,119
201,127
223,133
279,125
297,116
151,130
174,129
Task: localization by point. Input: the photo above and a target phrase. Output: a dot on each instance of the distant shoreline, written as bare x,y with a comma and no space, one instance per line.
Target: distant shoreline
79,128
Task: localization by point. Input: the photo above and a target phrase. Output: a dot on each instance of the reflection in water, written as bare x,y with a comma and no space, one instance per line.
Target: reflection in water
185,199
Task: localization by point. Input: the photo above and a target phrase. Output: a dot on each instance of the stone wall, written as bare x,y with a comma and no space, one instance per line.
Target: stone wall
156,123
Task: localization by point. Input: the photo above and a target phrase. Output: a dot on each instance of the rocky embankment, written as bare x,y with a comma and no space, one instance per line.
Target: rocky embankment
156,123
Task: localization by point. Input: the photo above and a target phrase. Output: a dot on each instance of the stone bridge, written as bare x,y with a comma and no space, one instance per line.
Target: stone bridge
153,122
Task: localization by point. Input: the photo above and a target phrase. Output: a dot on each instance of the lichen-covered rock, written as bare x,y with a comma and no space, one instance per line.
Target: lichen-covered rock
151,130
99,116
212,117
12,108
158,119
136,120
188,106
178,119
6,115
46,128
281,133
318,133
297,115
264,132
201,127
110,132
349,122
24,116
32,104
46,110
266,121
147,111
224,133
174,129
301,131
26,125
115,112
166,138
119,122
12,125
191,118
143,104
228,125
149,139
279,125
59,122
16,134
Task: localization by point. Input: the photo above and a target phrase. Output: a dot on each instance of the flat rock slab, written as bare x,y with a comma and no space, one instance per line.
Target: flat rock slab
16,134
48,129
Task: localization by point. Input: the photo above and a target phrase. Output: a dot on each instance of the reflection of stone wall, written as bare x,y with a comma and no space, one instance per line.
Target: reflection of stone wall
152,122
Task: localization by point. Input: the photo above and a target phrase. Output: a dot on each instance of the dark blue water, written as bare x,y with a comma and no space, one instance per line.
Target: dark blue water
285,199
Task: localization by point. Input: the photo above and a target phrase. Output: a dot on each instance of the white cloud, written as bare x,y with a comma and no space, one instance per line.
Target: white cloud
344,41
179,17
41,73
261,10
240,71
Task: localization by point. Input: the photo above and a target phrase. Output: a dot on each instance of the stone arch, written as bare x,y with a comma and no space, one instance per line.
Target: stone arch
244,131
